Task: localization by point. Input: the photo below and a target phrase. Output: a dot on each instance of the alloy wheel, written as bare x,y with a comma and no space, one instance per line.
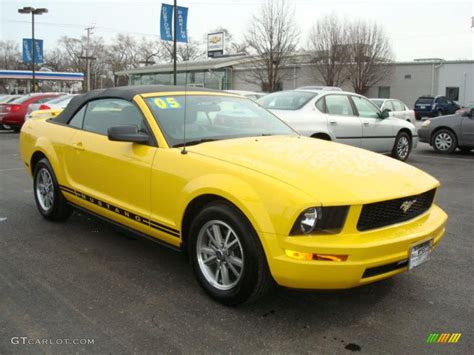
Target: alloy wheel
220,255
403,147
45,189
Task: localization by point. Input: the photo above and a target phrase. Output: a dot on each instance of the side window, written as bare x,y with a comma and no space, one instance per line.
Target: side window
78,118
388,105
105,113
442,100
398,106
339,105
365,107
321,105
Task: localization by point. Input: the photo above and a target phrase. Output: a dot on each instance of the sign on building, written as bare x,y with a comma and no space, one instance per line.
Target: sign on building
27,56
215,44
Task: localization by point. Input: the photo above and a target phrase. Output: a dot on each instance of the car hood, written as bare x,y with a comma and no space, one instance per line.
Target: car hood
331,173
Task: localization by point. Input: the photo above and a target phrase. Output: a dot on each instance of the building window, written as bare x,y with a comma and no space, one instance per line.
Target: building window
452,93
407,76
384,92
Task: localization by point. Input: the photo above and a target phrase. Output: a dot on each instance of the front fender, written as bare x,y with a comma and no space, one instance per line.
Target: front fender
270,205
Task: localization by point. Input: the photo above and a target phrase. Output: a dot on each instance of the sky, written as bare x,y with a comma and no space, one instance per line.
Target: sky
417,28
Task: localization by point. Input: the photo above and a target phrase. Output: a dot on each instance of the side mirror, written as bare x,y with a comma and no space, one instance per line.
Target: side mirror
127,134
385,113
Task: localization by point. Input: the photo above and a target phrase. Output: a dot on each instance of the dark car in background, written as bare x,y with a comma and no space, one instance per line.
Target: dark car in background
447,133
432,106
12,115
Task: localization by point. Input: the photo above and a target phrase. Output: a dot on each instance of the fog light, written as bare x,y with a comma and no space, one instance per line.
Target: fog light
324,257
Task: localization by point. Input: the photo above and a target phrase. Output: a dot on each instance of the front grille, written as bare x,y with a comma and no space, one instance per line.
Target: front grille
381,214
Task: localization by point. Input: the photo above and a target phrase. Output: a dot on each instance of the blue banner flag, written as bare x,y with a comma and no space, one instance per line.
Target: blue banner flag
182,30
28,51
166,22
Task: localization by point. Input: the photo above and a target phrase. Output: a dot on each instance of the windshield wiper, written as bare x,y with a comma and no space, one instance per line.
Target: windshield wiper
194,142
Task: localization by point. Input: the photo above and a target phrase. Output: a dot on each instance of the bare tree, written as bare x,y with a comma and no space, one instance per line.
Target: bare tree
9,55
271,39
185,51
9,59
328,43
371,55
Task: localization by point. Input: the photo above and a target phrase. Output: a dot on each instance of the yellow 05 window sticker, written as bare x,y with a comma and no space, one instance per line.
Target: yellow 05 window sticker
166,103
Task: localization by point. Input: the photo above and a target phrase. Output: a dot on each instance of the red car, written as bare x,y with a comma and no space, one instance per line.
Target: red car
13,113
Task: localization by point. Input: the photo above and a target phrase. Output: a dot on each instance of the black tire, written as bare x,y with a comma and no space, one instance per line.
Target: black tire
444,141
439,113
255,279
59,209
402,147
15,129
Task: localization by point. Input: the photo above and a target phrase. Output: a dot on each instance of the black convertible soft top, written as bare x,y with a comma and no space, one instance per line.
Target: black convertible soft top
122,92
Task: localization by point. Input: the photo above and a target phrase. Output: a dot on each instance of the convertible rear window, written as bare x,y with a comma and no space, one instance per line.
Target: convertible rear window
286,100
212,117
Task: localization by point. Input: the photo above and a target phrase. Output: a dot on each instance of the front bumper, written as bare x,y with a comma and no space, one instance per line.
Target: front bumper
424,134
373,255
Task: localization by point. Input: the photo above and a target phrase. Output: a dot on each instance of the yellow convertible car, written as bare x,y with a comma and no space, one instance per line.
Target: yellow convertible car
217,176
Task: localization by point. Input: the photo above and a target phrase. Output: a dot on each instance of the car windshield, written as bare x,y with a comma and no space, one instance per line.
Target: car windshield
425,101
57,100
379,103
286,100
211,118
21,99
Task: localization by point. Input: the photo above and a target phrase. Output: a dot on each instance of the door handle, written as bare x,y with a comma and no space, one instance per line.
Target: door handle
366,124
333,123
78,146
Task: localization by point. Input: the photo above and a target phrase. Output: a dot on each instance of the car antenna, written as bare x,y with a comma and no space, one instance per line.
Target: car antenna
184,151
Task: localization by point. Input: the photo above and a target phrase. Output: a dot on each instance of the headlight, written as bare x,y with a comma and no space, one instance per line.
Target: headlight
327,220
426,123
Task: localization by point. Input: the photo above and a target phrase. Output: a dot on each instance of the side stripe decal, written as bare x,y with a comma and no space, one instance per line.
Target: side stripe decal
121,211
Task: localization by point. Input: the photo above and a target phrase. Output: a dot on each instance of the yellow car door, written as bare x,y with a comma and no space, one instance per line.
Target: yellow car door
110,178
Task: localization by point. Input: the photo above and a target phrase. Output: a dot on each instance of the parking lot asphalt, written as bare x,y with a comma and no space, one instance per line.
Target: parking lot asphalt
85,280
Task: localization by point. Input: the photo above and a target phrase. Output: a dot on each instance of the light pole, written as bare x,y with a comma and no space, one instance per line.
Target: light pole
33,12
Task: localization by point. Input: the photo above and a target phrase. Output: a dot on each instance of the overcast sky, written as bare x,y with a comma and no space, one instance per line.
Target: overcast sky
417,28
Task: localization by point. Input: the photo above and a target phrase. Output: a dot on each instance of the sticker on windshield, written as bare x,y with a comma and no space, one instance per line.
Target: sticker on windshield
166,103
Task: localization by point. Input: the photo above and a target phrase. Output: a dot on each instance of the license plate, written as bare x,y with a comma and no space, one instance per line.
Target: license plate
420,254
422,106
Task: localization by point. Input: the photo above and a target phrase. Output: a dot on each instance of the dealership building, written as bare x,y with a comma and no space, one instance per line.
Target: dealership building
406,81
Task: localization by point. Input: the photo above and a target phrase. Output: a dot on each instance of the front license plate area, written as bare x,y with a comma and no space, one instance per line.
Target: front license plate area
419,254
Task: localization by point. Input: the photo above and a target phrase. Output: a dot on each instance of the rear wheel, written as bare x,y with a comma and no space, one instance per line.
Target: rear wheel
49,200
439,113
444,141
227,257
402,147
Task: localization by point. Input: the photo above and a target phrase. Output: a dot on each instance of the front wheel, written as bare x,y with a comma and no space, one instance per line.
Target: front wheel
49,199
227,257
402,147
444,141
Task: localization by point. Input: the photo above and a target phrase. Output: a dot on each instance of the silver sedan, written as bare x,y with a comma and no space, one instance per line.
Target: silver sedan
343,117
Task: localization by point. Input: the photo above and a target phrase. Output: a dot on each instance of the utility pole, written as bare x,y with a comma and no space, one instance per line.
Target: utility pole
87,58
175,29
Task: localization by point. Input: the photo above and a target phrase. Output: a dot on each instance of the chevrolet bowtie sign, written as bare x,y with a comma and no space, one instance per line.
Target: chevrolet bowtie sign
215,44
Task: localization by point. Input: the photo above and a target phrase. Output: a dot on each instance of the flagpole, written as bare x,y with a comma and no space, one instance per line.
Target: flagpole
175,27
